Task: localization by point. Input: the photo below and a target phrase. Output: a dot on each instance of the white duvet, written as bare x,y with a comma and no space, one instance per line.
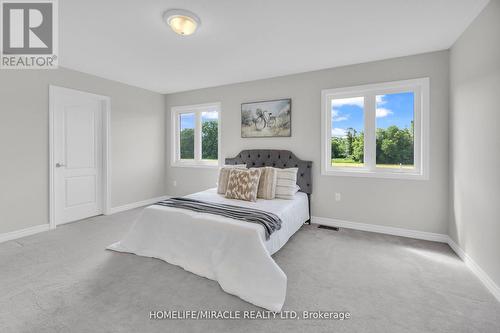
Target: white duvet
233,253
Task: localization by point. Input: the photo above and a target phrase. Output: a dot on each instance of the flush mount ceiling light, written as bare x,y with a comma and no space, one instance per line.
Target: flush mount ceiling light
182,22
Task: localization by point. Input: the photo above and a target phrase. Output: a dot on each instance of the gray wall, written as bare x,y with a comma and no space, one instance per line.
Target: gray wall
475,141
419,205
137,143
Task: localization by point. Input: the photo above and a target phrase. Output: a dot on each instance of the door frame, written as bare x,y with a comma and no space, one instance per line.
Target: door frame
106,150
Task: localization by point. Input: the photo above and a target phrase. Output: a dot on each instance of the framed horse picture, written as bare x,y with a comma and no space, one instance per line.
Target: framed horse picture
266,119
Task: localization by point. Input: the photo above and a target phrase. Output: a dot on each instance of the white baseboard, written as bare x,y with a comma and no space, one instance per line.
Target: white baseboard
45,227
430,236
23,232
133,205
476,269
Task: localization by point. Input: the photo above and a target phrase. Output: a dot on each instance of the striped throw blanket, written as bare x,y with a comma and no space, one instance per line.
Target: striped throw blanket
269,221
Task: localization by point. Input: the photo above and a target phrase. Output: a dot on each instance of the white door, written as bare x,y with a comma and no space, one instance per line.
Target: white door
77,154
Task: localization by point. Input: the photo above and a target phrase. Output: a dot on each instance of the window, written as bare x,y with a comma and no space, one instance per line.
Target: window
196,138
395,137
186,135
347,144
378,130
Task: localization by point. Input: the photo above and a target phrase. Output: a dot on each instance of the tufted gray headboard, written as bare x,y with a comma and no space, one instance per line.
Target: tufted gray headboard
279,159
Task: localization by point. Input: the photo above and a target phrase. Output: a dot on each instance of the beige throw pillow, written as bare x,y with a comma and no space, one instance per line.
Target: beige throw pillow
243,184
224,176
286,183
267,183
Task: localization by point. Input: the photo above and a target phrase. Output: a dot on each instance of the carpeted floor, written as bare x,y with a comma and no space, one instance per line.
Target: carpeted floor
64,281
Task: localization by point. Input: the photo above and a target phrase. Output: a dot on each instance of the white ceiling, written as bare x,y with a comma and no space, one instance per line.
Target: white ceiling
242,40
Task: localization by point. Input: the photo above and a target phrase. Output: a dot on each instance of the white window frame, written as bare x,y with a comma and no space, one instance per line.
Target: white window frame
420,88
197,109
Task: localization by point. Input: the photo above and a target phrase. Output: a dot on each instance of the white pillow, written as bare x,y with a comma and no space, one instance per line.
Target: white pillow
286,183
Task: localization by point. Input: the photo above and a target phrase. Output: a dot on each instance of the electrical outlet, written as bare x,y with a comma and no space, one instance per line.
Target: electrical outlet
174,183
338,197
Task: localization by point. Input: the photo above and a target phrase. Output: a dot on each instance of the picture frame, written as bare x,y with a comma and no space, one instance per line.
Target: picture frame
264,119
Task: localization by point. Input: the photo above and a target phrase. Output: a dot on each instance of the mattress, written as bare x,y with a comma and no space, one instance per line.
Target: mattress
293,213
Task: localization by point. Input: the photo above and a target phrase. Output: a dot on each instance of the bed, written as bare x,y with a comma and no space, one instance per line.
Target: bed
234,253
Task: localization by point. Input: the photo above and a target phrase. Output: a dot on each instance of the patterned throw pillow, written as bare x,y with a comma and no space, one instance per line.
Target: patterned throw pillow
243,184
224,176
267,183
286,183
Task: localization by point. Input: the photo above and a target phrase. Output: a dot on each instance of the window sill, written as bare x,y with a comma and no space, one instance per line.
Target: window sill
375,174
195,165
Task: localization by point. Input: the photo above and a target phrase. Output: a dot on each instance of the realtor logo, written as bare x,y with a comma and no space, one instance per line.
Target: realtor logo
29,34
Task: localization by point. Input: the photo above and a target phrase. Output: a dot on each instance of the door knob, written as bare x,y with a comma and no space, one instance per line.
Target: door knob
59,165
